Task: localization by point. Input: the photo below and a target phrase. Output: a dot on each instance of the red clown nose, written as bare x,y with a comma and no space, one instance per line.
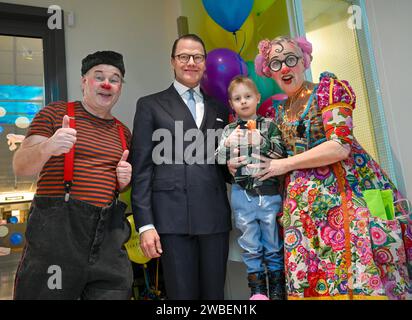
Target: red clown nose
285,70
106,86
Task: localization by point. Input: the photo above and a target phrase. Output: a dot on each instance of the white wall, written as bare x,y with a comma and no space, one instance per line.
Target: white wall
143,31
390,26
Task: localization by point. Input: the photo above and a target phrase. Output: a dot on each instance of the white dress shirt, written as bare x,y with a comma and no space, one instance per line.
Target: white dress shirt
200,106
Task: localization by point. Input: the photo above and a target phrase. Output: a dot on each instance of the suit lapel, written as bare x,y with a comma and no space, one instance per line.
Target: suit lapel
174,105
209,117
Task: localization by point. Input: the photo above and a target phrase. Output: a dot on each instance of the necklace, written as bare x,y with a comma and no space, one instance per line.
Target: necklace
296,104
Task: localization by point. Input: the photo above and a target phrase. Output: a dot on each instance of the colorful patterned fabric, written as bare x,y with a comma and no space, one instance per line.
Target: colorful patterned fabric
334,249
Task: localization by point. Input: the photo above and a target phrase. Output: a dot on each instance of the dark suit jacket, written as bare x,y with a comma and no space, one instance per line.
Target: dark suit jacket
178,197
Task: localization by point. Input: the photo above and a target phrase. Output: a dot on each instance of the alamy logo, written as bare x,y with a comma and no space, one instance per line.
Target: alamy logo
189,147
55,21
194,146
355,20
55,280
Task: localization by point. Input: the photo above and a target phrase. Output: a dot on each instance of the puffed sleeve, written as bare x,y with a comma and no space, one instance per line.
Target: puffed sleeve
336,100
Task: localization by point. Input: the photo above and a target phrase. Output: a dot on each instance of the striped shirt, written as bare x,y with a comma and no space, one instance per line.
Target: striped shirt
98,150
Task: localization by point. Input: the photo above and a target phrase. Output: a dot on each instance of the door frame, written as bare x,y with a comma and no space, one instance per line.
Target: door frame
32,22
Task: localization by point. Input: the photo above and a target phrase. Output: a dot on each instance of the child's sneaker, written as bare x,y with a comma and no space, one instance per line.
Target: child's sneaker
258,286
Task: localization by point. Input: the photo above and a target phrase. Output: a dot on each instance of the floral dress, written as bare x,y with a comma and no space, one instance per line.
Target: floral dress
334,248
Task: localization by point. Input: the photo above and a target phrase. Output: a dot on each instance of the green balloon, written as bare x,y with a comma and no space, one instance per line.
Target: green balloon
261,5
267,87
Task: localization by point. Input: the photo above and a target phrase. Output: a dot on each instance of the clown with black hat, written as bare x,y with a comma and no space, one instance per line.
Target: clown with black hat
102,78
77,224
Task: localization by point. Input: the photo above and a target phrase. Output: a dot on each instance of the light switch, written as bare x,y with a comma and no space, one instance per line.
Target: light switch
70,18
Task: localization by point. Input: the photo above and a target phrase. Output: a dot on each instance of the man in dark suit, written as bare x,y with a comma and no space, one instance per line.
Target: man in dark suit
179,194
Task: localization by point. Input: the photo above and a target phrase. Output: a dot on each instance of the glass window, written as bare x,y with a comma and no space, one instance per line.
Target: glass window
21,97
341,47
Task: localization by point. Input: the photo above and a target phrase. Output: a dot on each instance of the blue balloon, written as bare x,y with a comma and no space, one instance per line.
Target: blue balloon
16,238
229,14
13,220
31,108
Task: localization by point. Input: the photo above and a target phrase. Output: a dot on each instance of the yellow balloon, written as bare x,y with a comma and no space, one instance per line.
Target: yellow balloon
125,197
220,38
134,251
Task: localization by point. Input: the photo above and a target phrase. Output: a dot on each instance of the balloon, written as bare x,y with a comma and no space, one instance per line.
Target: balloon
16,238
4,231
229,14
222,65
223,39
261,6
126,198
13,220
31,108
267,87
134,251
266,109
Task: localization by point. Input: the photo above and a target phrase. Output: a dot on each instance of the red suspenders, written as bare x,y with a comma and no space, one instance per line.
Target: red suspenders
69,157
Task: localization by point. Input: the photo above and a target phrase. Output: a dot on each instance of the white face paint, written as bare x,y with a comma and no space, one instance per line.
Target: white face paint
289,79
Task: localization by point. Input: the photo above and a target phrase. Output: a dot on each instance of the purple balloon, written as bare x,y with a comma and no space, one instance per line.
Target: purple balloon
222,65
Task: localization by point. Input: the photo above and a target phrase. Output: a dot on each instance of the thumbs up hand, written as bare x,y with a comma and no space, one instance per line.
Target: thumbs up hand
124,171
66,122
62,140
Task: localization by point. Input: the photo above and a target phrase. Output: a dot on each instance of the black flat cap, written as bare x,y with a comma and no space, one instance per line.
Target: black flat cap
103,57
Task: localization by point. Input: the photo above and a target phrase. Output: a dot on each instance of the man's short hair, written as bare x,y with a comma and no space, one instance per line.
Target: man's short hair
189,36
103,57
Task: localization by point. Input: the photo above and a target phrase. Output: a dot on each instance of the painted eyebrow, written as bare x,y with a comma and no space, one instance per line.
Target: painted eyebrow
285,54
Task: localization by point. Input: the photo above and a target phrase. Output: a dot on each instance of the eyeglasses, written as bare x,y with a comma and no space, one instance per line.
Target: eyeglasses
276,64
185,58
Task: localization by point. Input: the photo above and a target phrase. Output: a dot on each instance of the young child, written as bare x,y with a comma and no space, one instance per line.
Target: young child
255,203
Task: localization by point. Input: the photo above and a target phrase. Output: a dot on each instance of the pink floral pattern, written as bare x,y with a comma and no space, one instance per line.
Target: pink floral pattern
316,238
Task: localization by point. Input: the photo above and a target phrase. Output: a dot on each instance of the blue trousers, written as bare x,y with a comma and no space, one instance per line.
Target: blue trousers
255,217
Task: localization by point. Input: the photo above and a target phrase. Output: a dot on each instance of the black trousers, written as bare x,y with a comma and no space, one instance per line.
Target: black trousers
74,250
194,266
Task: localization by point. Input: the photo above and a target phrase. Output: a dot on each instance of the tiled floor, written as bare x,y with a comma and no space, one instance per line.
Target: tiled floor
8,267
